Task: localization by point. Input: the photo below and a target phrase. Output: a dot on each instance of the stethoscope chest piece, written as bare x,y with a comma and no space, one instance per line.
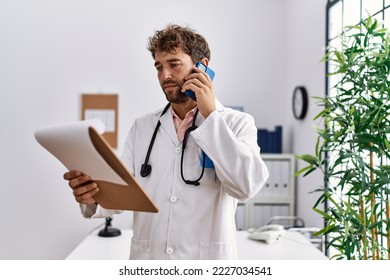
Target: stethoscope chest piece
146,169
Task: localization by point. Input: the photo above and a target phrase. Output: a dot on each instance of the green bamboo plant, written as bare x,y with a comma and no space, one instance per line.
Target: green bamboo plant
352,148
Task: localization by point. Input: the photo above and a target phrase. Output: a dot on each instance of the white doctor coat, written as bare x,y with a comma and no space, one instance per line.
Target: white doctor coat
193,222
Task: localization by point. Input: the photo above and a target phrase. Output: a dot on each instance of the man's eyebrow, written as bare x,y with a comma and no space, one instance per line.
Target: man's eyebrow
174,60
169,61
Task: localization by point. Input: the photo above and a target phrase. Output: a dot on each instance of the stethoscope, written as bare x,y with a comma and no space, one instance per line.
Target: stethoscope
146,168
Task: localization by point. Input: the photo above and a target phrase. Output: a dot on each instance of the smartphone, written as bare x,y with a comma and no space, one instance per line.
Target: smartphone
204,68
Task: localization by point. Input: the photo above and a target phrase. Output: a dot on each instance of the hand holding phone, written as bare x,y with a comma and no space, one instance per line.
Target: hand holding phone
205,69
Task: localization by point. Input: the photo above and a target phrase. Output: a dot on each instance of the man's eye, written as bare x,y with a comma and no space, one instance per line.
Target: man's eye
158,69
174,65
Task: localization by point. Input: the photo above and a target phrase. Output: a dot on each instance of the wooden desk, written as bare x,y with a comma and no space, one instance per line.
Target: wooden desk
292,246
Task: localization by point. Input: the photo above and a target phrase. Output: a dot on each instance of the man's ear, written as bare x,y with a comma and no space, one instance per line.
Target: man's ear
205,61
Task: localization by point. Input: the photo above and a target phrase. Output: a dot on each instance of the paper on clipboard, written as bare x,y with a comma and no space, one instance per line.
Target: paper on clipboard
80,146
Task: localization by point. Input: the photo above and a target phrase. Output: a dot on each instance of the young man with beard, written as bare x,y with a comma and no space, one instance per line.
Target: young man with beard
197,203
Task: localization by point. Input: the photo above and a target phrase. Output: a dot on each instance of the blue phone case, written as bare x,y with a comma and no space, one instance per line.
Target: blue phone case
208,162
204,68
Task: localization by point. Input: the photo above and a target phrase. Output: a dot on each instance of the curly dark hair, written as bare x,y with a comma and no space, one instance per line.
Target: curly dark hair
175,36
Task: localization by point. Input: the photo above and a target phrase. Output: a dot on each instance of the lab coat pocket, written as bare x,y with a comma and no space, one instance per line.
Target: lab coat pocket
215,251
140,249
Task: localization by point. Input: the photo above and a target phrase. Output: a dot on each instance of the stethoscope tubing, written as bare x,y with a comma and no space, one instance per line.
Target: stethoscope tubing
146,168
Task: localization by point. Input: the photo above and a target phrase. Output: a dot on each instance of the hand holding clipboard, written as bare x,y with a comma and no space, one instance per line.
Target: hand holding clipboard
80,146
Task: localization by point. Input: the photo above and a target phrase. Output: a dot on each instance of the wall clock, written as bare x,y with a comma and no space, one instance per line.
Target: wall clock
300,102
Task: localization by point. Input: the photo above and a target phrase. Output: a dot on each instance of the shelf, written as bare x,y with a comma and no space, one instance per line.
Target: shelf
277,197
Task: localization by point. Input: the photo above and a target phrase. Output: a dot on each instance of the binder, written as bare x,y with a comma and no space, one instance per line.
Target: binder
266,190
263,140
286,178
277,140
274,178
270,141
80,146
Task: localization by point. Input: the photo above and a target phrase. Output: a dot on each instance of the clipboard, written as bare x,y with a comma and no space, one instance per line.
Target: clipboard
80,146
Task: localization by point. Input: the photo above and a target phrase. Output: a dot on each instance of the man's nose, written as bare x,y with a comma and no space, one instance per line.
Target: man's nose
166,74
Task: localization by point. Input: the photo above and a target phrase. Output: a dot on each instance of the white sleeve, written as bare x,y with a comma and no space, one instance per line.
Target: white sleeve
96,211
235,153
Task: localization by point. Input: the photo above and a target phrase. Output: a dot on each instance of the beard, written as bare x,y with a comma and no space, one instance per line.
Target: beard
172,91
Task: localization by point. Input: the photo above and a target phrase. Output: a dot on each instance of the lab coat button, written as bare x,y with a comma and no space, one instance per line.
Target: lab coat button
173,199
178,150
169,251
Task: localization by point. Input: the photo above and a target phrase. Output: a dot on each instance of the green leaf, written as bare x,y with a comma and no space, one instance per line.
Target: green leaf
317,151
323,214
322,231
334,203
302,170
310,171
320,114
387,144
309,159
374,225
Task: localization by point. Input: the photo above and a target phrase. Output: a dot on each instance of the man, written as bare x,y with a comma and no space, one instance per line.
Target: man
196,203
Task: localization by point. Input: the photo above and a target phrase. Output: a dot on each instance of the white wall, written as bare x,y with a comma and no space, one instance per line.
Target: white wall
53,51
305,41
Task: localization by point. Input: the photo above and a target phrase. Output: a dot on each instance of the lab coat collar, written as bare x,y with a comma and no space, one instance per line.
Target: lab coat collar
168,126
167,122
